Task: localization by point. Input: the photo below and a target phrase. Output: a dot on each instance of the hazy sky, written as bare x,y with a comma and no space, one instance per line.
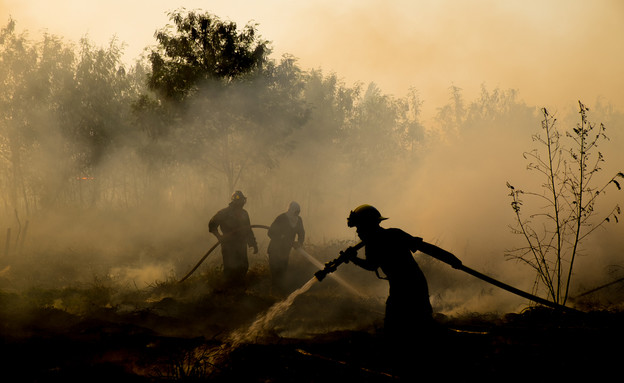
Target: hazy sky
554,52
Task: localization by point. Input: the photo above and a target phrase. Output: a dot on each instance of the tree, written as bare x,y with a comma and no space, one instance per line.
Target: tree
18,59
94,118
245,128
48,158
202,48
65,113
554,234
33,78
411,130
229,108
374,135
452,115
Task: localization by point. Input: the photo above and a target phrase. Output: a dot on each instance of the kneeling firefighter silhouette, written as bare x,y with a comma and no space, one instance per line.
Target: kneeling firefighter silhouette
408,310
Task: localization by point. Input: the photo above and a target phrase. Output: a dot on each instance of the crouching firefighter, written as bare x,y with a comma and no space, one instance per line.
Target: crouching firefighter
408,316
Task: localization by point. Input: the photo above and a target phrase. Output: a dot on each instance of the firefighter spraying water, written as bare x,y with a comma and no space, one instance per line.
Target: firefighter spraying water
409,327
366,219
344,257
408,310
408,317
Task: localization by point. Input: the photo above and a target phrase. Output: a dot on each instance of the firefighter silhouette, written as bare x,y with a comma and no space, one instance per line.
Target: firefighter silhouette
282,232
235,236
408,309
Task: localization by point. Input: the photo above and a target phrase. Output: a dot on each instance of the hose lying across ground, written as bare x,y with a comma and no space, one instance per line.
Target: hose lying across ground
210,251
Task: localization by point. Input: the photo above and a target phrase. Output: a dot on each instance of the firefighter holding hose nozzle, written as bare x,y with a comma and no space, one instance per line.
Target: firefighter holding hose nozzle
408,318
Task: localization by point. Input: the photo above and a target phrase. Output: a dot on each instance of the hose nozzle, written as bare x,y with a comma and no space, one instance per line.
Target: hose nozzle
330,267
344,257
321,274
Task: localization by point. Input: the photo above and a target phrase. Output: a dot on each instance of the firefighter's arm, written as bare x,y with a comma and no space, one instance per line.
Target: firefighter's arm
252,241
300,234
273,229
213,227
350,254
251,238
363,263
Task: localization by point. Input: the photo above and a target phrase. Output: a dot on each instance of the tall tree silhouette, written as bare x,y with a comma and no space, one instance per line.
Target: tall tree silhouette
229,109
202,47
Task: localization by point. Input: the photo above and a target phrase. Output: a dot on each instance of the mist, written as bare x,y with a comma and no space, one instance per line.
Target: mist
549,51
76,209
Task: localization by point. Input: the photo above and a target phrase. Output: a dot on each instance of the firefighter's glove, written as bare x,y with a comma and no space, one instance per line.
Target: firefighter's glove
349,254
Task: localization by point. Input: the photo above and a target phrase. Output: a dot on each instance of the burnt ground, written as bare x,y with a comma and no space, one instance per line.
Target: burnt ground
184,338
182,332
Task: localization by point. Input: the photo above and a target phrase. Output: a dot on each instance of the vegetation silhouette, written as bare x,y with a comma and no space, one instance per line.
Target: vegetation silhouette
555,232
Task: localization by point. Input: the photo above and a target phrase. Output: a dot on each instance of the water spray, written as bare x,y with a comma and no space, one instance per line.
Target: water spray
337,278
314,261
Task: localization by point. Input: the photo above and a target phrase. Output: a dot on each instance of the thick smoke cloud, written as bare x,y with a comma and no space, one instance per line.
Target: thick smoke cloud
453,195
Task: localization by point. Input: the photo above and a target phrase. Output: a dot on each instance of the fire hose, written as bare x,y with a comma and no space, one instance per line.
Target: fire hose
210,251
448,258
599,288
427,248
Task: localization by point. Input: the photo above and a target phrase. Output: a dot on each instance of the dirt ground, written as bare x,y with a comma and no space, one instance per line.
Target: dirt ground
183,332
185,337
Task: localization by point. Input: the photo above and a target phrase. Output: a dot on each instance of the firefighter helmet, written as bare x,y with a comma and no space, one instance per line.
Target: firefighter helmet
238,196
364,214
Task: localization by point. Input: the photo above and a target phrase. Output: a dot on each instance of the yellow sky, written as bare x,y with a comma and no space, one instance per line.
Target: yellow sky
553,52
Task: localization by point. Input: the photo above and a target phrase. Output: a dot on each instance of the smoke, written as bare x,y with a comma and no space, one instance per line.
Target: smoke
554,52
142,276
452,195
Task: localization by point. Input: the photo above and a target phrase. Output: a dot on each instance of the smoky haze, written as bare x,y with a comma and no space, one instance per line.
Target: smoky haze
547,50
138,220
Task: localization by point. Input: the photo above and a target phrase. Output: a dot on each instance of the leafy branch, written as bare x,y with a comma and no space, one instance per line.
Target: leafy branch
554,234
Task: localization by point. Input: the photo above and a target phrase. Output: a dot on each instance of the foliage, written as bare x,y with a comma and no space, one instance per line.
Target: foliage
452,115
18,62
208,111
64,114
554,234
227,109
202,48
